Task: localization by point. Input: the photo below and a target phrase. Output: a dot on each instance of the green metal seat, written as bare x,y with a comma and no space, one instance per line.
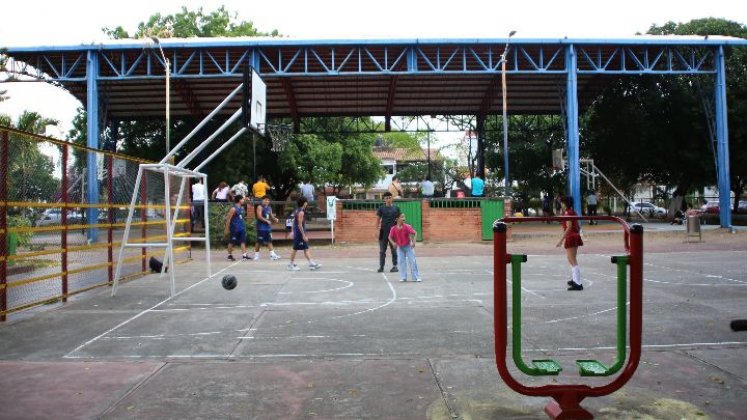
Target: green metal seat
545,367
593,368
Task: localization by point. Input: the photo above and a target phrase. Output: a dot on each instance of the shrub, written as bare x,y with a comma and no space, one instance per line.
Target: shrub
217,220
24,238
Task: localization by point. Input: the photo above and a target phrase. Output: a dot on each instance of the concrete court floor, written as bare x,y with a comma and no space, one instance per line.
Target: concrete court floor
346,342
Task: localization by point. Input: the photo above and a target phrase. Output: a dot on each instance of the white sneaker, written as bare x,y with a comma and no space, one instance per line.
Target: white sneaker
314,266
256,257
418,280
293,267
274,257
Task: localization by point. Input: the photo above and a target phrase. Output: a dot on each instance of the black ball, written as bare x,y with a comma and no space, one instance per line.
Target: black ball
229,282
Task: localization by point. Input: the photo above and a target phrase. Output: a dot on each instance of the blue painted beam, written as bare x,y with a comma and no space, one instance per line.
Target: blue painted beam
92,107
722,141
571,102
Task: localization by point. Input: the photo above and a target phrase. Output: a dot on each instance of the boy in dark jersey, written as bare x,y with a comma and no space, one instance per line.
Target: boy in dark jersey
235,228
265,218
300,240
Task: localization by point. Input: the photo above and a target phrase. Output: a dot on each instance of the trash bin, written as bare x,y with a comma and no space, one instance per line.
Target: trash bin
693,226
12,244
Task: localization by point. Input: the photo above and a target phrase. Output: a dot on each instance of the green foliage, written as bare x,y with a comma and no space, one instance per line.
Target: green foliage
531,140
654,129
30,172
217,220
190,24
24,238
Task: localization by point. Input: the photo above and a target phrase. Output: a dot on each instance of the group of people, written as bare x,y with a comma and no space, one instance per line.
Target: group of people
235,228
428,188
393,233
224,193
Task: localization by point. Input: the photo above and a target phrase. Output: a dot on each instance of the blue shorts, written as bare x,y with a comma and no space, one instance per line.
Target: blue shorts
299,244
264,237
238,237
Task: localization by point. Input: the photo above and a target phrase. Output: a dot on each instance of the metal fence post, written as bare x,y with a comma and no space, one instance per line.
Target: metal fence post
63,217
3,222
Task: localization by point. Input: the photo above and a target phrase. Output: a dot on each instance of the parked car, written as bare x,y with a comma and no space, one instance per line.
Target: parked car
710,207
647,209
54,217
742,206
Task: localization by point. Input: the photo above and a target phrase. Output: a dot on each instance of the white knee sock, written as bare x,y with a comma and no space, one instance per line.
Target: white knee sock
576,274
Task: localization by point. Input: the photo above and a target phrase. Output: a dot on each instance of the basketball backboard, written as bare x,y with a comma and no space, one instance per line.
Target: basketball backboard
254,105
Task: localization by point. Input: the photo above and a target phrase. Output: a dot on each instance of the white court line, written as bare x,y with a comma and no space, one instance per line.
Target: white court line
555,321
387,303
127,321
349,284
740,284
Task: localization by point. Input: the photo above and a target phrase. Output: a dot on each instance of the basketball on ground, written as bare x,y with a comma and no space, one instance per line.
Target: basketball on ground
229,282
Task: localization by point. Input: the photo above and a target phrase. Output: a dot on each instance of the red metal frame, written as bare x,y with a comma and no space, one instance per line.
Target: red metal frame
4,223
63,218
143,218
567,397
110,217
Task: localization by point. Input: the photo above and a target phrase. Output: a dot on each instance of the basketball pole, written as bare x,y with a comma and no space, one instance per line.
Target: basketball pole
506,178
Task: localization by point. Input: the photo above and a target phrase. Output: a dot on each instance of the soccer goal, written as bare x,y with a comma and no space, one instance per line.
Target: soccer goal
176,177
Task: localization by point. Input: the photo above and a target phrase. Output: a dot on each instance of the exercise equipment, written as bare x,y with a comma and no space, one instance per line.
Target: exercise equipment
567,397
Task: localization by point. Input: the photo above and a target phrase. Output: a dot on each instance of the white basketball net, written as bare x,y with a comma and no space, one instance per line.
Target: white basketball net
280,134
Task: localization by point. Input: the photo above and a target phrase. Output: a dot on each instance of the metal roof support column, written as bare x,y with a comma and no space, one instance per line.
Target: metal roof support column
571,107
722,141
92,108
480,147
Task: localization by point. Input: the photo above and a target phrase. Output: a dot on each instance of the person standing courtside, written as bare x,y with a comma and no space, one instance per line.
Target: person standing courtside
240,189
427,187
222,192
260,188
198,201
387,217
477,186
591,205
395,188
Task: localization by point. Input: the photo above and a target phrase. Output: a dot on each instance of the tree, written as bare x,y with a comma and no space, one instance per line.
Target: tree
736,90
190,24
655,130
531,140
30,172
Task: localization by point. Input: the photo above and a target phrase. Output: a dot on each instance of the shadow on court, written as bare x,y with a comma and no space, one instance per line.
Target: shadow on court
348,342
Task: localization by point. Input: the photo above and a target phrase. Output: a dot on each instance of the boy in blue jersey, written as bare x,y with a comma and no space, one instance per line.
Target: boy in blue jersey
300,240
265,218
235,228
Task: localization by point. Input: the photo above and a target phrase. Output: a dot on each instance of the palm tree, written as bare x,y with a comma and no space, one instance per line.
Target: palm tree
30,172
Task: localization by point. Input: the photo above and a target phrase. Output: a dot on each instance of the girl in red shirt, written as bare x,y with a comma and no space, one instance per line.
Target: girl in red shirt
572,240
402,237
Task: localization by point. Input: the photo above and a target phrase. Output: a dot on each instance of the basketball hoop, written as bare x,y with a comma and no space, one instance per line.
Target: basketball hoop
280,135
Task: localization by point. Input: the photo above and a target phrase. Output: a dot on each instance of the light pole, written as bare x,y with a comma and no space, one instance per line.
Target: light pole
506,179
167,64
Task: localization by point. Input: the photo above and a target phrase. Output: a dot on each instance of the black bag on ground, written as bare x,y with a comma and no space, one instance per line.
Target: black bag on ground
155,265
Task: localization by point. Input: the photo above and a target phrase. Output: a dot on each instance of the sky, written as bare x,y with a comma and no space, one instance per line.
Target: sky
76,22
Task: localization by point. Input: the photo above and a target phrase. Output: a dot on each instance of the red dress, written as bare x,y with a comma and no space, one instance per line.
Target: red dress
573,238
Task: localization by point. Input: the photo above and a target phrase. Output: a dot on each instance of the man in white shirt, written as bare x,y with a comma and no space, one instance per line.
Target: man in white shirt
307,190
198,200
240,189
428,187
